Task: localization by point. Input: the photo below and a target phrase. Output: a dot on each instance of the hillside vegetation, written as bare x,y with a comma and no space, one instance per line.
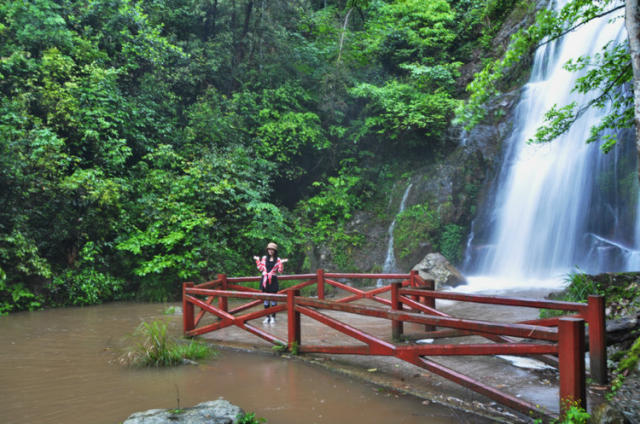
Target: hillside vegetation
147,143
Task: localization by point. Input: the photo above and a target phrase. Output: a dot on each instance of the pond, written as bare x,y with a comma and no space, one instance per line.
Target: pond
60,366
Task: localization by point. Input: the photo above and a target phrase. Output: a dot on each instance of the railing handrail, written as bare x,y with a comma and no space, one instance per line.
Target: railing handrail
516,330
498,300
283,277
367,276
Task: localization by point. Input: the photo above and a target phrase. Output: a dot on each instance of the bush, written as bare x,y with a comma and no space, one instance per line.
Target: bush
451,242
85,287
17,297
414,225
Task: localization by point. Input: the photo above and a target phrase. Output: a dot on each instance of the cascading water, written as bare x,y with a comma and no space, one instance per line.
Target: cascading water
390,264
564,204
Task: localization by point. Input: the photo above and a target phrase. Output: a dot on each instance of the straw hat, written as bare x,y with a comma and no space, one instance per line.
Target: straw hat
272,245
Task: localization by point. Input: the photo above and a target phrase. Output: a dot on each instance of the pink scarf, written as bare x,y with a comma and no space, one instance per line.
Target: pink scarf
266,276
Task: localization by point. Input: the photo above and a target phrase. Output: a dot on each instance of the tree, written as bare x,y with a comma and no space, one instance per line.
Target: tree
608,72
632,20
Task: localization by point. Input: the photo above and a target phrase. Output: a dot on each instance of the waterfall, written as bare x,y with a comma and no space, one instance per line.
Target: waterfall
390,264
562,205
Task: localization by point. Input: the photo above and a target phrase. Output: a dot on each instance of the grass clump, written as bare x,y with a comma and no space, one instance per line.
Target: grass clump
154,347
250,418
579,288
621,290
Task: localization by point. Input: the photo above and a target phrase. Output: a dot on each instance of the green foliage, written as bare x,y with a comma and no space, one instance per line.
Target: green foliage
84,287
621,291
279,348
151,142
250,418
415,225
574,414
578,290
325,215
607,72
626,365
16,297
412,40
397,108
155,348
423,223
452,242
580,287
334,203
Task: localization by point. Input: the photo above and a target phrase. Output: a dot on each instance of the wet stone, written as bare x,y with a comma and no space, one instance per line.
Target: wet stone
213,412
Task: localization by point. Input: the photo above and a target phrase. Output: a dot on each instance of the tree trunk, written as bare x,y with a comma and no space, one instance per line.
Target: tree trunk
211,16
344,29
632,21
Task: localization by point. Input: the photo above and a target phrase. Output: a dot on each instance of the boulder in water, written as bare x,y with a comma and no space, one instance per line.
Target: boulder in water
213,412
436,267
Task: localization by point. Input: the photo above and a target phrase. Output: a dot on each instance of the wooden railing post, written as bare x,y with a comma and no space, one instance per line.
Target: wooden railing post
412,278
320,283
413,283
429,301
396,325
188,321
597,339
571,364
293,318
223,302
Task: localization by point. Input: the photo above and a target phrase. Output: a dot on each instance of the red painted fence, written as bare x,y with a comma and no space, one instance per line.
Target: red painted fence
559,341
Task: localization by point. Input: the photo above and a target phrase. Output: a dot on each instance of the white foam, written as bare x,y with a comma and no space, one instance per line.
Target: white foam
522,362
499,285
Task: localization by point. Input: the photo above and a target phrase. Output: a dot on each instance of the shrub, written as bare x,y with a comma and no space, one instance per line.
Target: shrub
451,242
85,287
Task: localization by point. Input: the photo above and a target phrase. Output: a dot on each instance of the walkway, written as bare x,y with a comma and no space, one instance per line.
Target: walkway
537,386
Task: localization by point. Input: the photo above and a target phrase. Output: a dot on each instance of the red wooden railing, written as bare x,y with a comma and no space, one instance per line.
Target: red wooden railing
560,341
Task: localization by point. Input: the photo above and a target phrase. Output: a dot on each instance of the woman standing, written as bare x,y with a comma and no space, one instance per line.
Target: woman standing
269,265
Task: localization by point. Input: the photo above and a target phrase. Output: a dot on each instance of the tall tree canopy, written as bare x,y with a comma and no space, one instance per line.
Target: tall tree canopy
144,143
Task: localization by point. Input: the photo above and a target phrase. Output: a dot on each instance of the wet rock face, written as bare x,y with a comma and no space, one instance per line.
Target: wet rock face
435,267
213,412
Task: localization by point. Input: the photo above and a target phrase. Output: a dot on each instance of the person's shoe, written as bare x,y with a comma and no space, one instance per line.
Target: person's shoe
267,320
273,319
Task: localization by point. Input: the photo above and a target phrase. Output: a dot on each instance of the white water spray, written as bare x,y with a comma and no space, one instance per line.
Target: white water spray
557,206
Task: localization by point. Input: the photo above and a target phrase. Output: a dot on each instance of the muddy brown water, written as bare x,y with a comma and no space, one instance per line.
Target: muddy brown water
59,366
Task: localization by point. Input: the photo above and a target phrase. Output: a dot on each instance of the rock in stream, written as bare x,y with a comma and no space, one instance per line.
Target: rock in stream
212,412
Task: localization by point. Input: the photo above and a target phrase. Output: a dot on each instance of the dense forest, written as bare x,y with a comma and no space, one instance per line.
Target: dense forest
147,143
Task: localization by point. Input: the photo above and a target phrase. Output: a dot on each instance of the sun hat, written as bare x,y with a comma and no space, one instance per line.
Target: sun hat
272,245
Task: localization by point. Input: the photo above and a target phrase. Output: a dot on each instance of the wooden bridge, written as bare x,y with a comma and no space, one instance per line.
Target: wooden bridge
409,299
